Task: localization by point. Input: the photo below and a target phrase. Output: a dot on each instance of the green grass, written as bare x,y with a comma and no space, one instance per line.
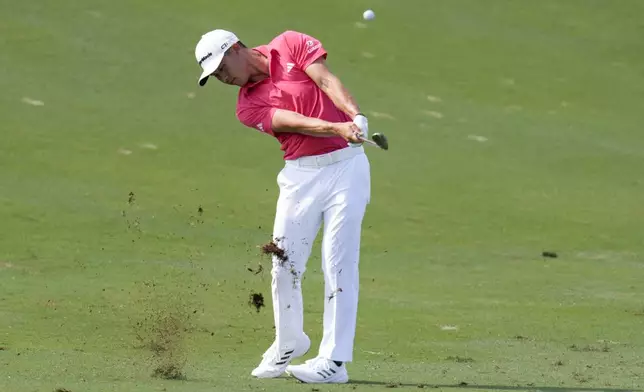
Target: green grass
453,236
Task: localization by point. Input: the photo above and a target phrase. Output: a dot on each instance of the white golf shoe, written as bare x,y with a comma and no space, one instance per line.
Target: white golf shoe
318,371
276,360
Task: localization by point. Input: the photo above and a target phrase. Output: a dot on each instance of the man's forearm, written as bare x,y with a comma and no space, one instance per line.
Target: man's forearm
340,96
288,121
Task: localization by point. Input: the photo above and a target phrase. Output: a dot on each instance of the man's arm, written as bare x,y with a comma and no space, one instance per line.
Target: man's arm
288,121
333,87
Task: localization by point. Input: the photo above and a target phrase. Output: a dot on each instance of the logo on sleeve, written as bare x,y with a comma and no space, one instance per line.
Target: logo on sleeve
260,126
312,47
289,67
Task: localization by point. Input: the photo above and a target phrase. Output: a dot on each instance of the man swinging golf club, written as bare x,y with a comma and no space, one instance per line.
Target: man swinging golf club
287,91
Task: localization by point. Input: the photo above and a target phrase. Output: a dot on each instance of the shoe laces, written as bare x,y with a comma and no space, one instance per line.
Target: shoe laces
272,351
319,363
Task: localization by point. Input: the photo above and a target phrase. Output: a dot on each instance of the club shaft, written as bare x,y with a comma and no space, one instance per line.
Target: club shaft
370,142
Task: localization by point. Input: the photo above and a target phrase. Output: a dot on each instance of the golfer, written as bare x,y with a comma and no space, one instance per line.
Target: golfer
287,91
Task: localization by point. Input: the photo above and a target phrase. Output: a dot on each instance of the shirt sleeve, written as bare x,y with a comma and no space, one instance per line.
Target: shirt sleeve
258,117
304,48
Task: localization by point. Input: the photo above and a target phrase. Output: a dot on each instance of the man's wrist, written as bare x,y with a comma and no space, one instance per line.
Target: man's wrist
333,128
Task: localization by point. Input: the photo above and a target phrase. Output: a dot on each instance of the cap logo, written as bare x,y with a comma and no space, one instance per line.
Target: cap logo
224,46
204,58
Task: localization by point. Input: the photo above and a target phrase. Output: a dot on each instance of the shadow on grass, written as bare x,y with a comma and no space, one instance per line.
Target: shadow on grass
497,387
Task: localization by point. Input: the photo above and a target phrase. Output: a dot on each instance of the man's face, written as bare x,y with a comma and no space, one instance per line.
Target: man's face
233,69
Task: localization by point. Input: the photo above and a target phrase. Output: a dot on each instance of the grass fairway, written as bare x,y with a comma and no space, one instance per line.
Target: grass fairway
132,202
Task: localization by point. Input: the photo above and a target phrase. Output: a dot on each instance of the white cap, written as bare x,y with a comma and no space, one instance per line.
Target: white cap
210,51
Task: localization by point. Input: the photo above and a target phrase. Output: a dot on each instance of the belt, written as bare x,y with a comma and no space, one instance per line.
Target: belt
326,159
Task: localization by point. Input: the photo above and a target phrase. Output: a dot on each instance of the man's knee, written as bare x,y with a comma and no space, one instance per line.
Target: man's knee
287,271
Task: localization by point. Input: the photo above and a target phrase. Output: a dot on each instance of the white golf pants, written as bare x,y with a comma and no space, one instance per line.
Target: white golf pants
333,188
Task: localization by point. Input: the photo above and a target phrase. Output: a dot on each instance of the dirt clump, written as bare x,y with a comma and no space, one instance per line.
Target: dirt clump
256,300
273,249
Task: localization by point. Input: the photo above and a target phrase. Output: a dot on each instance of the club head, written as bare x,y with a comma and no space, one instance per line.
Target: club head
381,140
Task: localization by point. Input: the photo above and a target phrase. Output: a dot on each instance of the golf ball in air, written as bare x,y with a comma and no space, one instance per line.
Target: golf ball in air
368,15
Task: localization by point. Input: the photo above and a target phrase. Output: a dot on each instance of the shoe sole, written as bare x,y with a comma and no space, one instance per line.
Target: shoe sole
330,381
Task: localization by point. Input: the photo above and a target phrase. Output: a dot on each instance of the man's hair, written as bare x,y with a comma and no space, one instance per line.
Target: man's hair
228,51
